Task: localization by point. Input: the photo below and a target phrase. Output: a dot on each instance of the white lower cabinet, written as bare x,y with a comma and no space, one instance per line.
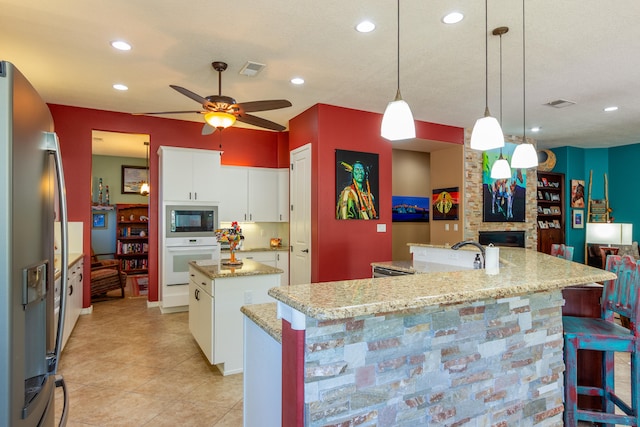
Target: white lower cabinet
73,304
278,259
215,319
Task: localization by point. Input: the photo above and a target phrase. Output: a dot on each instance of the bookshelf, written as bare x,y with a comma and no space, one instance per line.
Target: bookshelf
132,237
551,207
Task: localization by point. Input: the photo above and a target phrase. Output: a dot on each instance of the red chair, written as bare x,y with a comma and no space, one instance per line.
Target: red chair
603,334
562,251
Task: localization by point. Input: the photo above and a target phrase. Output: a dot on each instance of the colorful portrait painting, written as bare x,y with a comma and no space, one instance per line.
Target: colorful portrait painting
445,203
356,185
504,200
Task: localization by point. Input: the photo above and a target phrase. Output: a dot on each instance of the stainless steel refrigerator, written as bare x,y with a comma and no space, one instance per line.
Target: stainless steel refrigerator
32,198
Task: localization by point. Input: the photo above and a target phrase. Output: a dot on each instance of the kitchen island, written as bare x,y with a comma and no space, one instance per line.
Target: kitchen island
216,293
454,348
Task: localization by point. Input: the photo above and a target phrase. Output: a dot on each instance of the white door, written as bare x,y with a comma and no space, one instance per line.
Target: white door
300,216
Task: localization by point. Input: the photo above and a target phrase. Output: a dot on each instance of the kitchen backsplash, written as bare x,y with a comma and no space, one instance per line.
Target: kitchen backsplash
259,234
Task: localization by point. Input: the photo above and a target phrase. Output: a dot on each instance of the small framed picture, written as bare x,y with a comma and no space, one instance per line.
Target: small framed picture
132,179
578,218
99,220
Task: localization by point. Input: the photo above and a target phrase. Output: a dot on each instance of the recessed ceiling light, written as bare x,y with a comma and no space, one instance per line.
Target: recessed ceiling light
297,80
365,27
121,45
535,129
119,86
612,108
452,18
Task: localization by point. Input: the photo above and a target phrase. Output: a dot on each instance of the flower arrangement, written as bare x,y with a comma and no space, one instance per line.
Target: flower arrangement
232,236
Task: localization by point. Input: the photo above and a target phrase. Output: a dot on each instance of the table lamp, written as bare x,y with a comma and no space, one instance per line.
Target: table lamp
609,233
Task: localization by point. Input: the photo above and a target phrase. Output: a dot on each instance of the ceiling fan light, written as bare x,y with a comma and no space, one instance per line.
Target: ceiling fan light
486,133
397,121
219,119
501,169
524,156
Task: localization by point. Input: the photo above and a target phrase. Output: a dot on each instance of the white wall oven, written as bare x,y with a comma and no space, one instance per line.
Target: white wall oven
179,251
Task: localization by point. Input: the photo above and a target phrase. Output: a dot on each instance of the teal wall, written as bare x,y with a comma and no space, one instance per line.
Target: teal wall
618,164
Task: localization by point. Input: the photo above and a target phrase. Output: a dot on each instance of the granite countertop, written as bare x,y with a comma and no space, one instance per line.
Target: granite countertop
265,249
216,270
73,258
523,271
265,316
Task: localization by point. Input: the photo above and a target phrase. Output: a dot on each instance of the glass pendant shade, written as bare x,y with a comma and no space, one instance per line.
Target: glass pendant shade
397,121
219,119
524,156
144,189
501,169
486,133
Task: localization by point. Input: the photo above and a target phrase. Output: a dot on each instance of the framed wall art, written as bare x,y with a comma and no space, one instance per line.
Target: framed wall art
577,193
578,218
132,178
445,203
99,220
504,200
356,185
409,209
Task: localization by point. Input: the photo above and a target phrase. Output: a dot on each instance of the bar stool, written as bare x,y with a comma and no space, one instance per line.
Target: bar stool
603,334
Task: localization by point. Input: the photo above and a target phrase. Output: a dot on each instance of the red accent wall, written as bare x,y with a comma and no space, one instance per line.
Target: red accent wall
345,249
73,125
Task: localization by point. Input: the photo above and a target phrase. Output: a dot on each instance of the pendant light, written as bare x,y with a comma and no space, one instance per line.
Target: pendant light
500,168
397,121
486,133
524,156
144,188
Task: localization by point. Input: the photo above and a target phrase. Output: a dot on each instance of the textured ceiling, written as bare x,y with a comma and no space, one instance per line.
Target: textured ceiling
586,51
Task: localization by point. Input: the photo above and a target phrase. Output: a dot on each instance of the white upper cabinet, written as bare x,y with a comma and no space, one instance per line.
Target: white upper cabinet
283,195
249,194
189,175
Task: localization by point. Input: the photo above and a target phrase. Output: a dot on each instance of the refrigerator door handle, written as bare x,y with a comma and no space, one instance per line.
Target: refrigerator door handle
65,408
53,146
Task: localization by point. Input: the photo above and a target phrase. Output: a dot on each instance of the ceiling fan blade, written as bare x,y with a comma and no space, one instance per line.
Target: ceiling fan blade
189,94
272,104
167,112
260,122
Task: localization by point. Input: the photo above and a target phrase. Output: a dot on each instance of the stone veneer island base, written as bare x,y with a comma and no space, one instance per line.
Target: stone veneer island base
457,349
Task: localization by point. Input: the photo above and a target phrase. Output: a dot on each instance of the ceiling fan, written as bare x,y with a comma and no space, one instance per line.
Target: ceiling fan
222,111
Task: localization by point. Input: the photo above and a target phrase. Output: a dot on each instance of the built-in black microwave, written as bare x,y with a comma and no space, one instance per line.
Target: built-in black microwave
186,221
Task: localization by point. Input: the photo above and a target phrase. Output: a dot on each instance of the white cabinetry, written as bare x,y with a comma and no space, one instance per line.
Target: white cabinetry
74,299
283,195
249,194
189,175
215,319
278,259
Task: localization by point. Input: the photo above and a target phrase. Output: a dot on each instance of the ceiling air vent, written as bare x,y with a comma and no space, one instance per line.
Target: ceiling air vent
560,103
250,69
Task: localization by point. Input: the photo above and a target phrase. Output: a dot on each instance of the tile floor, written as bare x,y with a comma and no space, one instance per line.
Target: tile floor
129,365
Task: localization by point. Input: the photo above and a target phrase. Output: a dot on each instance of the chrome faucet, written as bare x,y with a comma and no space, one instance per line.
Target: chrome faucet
473,243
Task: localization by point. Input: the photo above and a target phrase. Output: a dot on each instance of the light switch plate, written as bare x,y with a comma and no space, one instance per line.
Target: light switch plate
381,228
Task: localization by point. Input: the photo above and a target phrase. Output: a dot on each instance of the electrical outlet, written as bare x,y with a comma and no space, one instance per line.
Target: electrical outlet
248,297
